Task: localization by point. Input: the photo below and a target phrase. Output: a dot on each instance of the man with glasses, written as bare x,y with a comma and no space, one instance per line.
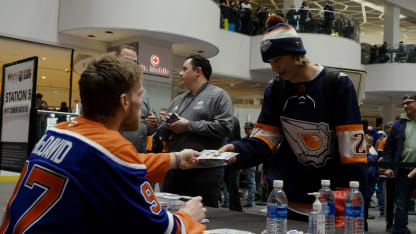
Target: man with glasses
400,147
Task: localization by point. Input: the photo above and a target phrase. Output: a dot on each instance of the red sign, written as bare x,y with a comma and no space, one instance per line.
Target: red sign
154,60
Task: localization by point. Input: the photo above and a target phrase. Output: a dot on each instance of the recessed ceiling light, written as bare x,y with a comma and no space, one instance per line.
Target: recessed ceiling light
201,51
90,35
43,58
109,32
43,77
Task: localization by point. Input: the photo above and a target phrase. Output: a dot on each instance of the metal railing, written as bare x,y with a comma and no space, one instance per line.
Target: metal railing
47,119
396,53
304,20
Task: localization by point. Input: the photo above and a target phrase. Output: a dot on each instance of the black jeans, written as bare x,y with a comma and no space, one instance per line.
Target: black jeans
203,182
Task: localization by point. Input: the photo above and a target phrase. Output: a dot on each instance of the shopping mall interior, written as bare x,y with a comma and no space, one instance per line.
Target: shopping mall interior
66,35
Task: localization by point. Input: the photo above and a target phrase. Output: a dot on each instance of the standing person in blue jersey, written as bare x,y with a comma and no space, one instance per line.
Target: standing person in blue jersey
400,147
84,177
148,124
313,113
203,118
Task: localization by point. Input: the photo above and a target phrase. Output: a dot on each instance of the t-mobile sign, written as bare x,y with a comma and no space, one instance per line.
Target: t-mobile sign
156,61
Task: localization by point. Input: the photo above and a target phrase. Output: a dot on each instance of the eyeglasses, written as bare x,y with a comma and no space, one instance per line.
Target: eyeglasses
408,103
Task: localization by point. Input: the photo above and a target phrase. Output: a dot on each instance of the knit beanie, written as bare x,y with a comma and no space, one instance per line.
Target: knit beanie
280,39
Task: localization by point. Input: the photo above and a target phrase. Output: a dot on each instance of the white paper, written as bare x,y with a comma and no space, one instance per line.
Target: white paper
216,155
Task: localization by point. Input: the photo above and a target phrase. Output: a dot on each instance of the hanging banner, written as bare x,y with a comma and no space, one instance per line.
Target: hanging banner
17,118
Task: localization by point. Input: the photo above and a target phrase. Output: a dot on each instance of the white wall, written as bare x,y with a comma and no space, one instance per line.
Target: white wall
391,77
233,59
34,20
172,21
323,49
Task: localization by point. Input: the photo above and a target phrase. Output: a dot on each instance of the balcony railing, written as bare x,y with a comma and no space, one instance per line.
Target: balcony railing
397,53
304,20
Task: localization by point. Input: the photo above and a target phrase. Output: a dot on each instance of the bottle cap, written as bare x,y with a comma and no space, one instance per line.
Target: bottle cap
325,182
354,184
317,206
277,183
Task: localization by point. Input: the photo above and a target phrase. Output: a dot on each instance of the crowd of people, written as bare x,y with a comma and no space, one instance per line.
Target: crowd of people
387,53
240,17
102,165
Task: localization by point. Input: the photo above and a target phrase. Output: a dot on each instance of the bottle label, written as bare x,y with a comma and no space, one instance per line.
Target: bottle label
277,211
354,211
331,209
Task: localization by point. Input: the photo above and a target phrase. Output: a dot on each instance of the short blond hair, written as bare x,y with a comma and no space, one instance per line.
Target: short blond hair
301,60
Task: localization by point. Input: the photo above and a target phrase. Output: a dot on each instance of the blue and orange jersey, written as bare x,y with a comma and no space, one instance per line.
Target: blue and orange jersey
312,145
84,178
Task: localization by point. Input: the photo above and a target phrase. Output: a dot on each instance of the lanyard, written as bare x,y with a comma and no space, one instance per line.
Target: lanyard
192,100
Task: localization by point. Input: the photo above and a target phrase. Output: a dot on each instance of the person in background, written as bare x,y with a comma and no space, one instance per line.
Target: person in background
400,148
250,173
246,9
84,177
200,118
329,16
305,17
297,114
159,145
38,100
292,16
385,185
139,137
231,175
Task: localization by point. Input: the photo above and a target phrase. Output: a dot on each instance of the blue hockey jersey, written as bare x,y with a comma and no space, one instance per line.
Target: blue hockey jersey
311,145
84,178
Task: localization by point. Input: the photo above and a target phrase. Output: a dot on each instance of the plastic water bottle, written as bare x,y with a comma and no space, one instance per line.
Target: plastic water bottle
277,210
317,217
354,210
328,205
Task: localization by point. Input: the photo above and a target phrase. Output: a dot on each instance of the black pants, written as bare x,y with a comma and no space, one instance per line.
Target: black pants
203,182
389,189
230,180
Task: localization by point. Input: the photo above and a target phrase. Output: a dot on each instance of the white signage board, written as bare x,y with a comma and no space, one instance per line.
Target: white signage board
18,91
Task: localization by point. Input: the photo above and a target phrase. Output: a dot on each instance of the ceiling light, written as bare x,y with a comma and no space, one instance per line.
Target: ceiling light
43,58
43,77
90,35
109,32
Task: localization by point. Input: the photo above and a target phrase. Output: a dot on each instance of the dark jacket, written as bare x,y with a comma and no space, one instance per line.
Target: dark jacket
394,143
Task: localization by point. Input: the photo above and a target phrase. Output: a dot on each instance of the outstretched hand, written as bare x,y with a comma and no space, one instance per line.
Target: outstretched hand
188,158
412,173
229,148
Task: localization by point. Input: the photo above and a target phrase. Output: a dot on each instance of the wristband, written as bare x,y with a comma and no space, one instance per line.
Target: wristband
178,160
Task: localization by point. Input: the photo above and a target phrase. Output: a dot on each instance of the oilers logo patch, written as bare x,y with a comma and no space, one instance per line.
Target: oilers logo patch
310,142
265,45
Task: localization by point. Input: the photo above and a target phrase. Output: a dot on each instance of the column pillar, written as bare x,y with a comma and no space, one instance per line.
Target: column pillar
391,24
390,111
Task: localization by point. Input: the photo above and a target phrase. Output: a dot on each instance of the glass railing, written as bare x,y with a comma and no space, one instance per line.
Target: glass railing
304,20
397,53
47,119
